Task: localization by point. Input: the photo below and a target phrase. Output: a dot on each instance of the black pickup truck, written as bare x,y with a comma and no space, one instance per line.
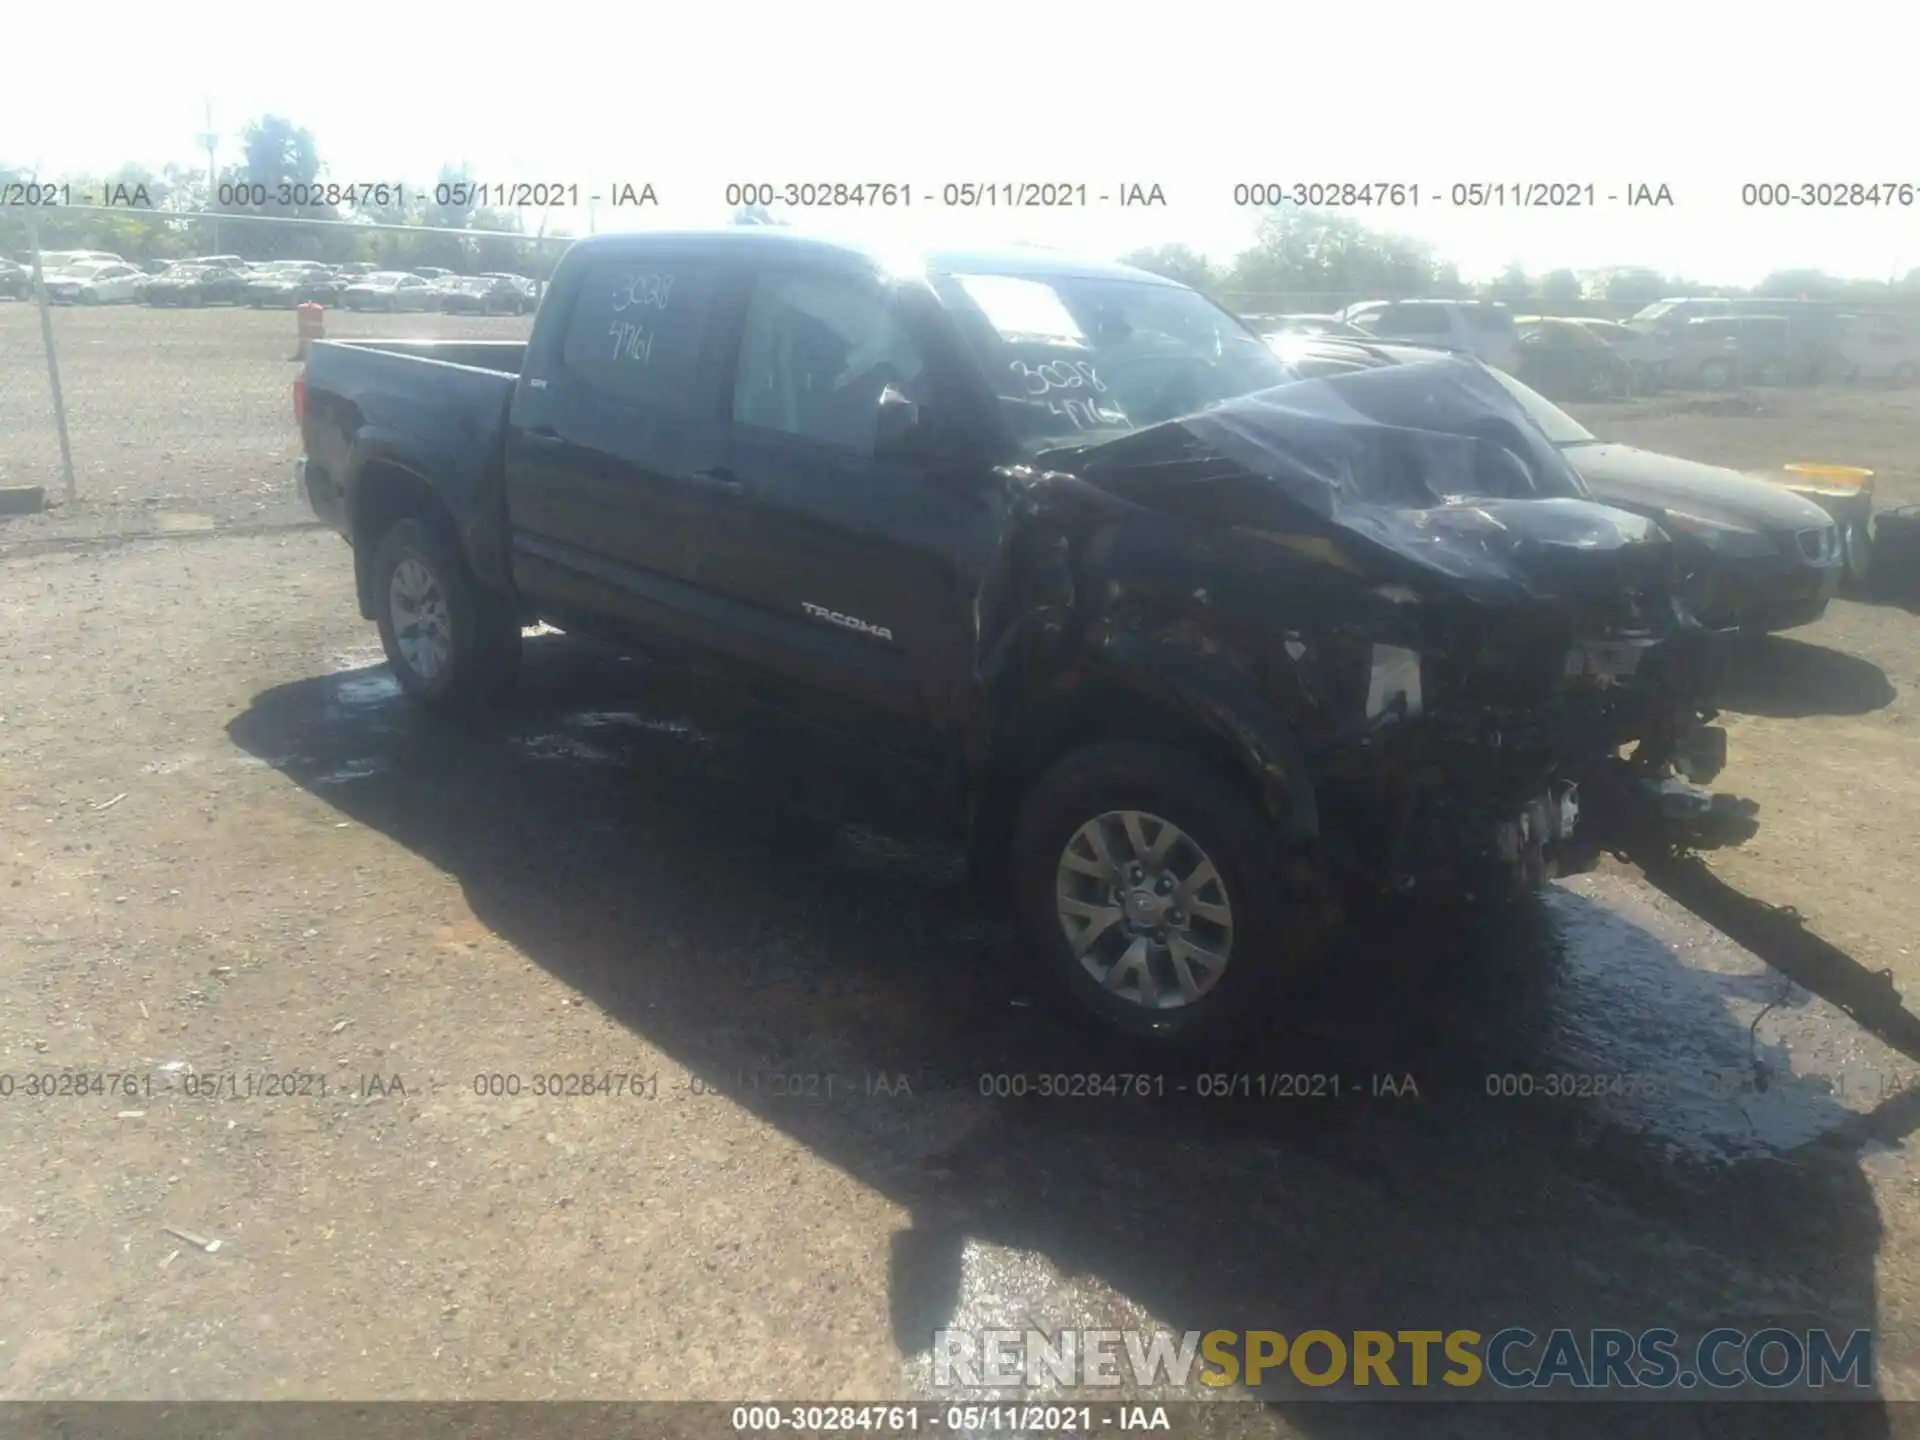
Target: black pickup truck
1209,652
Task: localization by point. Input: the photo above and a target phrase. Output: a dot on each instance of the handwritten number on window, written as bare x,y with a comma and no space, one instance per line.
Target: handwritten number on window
631,342
642,292
1055,375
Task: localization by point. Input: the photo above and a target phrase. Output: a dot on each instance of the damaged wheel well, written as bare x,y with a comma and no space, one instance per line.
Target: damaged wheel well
1099,712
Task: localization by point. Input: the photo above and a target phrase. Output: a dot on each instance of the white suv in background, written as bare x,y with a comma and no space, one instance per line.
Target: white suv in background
1482,328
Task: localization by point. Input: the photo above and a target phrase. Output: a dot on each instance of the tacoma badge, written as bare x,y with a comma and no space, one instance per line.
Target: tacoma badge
820,612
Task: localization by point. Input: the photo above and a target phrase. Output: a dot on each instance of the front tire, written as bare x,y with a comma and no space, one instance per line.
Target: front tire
1160,904
453,646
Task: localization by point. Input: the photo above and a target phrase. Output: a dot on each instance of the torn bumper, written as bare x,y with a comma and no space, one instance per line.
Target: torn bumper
1642,815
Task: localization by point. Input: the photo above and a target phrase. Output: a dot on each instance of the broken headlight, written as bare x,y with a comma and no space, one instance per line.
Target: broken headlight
1729,540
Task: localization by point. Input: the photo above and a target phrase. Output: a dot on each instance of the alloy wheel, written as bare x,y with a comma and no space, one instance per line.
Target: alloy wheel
422,625
1144,909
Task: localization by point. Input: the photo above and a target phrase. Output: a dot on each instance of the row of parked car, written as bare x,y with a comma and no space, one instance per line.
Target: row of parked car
1709,342
92,277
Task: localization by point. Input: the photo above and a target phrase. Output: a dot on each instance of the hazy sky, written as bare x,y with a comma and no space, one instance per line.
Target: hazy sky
1198,97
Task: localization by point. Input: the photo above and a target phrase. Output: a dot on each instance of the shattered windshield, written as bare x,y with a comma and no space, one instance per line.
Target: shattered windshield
1079,360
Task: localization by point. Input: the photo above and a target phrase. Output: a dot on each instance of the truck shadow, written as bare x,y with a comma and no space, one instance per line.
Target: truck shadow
1792,679
658,856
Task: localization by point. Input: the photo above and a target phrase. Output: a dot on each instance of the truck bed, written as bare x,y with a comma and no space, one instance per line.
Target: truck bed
503,356
434,408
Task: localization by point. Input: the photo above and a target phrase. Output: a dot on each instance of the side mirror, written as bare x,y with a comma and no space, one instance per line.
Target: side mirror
899,432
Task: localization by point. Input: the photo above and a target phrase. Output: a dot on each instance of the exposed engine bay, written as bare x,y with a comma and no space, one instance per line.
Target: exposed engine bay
1479,670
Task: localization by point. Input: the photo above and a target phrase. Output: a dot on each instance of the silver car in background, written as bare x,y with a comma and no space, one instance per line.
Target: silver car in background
1483,329
95,282
391,290
1879,349
1647,354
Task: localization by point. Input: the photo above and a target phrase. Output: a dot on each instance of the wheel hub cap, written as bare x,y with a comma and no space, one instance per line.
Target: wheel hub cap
1144,910
422,628
1144,907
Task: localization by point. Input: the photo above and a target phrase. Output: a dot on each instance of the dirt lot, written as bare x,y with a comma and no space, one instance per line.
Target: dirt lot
227,853
178,418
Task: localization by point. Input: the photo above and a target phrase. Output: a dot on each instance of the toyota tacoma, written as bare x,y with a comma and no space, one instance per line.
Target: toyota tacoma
1206,652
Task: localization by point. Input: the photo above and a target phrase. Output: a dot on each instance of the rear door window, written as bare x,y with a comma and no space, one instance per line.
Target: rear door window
637,329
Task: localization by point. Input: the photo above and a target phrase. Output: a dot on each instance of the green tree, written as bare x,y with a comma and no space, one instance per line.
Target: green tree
1513,285
279,165
512,252
1814,283
1180,263
1560,290
59,227
1630,289
13,223
1329,260
452,205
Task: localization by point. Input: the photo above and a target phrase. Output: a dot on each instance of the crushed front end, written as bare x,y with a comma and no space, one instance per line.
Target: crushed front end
1497,746
1490,676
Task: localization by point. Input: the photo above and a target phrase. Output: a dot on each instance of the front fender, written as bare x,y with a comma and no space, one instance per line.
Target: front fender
1210,693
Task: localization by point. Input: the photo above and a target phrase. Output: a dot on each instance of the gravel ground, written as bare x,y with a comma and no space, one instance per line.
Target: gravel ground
179,419
229,853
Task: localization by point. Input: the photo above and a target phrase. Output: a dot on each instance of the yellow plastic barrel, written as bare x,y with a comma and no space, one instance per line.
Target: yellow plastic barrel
1851,475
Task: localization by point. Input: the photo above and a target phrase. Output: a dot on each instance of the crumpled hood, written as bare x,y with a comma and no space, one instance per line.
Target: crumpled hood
1643,481
1408,459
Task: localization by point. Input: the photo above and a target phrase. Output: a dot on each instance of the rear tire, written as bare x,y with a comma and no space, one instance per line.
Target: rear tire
1856,550
1234,940
453,646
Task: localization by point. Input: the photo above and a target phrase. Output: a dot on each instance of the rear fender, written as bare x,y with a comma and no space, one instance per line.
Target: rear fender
387,479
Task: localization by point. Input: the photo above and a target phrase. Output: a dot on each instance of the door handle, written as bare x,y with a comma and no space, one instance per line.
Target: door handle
545,436
721,478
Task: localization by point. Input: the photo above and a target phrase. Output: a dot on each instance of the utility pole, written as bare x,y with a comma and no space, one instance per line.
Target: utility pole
210,138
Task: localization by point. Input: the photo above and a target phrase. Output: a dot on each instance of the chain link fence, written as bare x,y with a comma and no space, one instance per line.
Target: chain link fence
33,451
180,415
178,401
